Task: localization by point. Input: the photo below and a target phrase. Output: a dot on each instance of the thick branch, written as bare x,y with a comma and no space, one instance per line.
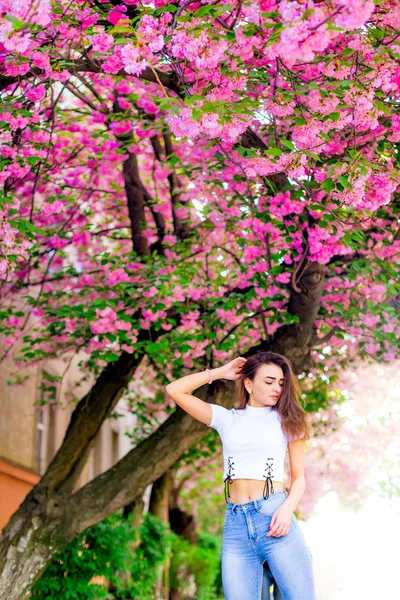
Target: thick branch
136,201
181,229
316,341
142,465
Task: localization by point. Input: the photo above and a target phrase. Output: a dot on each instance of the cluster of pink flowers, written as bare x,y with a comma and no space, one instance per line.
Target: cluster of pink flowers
323,244
108,322
38,12
305,89
14,248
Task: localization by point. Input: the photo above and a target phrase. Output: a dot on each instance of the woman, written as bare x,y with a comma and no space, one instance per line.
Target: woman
259,527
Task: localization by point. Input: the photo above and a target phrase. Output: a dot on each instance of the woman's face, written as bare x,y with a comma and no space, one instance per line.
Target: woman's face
267,384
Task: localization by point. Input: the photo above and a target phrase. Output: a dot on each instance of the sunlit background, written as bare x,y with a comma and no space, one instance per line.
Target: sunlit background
355,553
356,544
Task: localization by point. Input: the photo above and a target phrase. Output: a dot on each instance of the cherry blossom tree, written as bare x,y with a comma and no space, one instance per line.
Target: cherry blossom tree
183,182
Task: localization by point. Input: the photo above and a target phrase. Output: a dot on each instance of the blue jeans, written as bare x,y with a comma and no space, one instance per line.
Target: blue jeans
268,580
245,549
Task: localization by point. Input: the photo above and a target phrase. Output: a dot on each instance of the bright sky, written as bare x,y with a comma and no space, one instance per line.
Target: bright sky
355,554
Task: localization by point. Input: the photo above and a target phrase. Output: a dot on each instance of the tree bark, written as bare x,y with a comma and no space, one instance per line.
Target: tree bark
159,506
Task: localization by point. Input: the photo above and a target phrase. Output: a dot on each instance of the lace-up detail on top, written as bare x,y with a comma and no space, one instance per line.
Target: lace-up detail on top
228,479
268,478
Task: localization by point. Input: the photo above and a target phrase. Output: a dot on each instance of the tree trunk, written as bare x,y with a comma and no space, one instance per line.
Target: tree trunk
183,524
159,505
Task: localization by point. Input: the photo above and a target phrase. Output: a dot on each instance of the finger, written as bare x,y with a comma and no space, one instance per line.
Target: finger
276,531
272,532
279,533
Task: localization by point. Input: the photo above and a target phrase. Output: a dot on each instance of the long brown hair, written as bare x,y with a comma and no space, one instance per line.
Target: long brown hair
294,419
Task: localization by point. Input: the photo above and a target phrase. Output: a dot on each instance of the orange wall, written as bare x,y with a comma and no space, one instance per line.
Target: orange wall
15,483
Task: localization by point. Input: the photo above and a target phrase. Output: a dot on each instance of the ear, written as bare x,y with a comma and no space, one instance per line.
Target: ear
247,384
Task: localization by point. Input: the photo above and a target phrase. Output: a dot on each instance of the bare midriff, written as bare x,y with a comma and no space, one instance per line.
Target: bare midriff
245,490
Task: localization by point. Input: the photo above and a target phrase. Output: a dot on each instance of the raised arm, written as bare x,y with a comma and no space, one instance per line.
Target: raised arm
180,389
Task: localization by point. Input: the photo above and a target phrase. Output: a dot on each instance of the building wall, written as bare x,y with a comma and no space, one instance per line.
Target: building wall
17,417
15,483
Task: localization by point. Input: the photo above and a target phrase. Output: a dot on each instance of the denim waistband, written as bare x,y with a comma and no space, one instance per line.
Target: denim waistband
246,506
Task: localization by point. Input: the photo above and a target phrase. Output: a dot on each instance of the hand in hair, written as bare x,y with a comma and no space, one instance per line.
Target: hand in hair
232,369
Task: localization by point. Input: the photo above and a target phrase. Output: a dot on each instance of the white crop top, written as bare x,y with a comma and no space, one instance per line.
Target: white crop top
254,445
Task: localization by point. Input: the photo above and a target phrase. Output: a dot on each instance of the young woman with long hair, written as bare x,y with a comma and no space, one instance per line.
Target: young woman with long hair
259,527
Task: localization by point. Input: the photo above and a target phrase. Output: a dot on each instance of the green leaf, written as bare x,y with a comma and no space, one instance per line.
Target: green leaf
111,356
32,160
270,15
17,23
168,8
100,303
24,224
334,116
288,144
209,9
328,184
273,151
344,180
377,33
312,155
383,107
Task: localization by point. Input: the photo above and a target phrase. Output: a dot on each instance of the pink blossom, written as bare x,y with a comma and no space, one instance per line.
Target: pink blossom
101,42
116,14
120,127
36,93
283,277
131,59
372,348
56,242
51,208
182,124
355,13
116,276
127,348
124,104
148,105
151,292
81,238
123,325
13,322
114,63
